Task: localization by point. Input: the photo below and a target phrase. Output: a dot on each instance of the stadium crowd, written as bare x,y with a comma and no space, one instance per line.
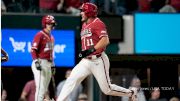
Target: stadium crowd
106,7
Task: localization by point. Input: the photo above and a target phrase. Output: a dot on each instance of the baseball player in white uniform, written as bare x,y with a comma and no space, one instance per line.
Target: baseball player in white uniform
41,51
94,39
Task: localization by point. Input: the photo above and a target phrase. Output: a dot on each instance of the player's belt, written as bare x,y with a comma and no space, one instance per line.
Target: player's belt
49,60
92,57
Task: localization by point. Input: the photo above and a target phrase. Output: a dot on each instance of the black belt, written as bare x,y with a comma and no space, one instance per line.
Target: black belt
49,60
93,57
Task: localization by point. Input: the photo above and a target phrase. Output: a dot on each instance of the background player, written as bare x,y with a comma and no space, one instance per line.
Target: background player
4,56
42,50
94,39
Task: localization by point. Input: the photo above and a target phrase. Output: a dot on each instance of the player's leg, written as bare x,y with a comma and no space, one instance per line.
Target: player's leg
78,74
42,79
100,70
38,80
47,76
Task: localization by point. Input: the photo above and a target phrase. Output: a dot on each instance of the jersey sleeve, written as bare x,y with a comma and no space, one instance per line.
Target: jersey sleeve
35,45
101,30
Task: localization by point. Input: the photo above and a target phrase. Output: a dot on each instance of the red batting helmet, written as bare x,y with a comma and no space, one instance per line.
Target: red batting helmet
89,9
48,19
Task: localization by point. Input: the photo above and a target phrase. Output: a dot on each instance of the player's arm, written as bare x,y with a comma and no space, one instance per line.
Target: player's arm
103,42
35,46
34,50
101,32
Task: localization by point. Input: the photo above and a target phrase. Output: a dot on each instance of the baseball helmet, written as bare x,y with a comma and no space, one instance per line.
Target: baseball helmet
48,19
89,9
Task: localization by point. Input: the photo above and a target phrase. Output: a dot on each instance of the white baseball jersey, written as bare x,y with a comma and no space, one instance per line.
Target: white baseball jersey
97,63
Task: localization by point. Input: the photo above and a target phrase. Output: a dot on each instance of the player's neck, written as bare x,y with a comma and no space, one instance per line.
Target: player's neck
47,31
89,20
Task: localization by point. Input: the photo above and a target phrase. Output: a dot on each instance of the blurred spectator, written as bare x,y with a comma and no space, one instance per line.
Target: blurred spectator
176,4
100,4
76,92
155,95
4,95
167,8
31,6
131,6
120,7
115,7
50,6
140,94
144,5
15,6
3,6
174,99
28,93
82,97
72,7
156,5
104,6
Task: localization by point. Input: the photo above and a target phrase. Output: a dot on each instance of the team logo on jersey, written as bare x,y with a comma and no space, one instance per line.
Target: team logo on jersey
86,32
48,46
35,44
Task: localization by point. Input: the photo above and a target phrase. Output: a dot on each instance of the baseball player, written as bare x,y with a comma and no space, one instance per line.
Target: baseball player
94,39
41,51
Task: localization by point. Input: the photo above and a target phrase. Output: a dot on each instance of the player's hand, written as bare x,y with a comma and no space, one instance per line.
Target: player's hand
87,52
38,65
53,69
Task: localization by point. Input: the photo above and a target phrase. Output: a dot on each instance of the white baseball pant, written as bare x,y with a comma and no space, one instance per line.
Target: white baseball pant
99,67
42,78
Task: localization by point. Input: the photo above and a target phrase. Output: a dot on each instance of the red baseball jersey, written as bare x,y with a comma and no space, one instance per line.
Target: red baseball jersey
91,33
42,46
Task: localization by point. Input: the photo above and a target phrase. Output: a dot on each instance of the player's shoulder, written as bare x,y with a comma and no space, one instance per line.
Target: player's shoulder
99,22
39,34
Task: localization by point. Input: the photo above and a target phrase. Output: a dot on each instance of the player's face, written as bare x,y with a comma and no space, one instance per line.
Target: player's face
83,17
50,27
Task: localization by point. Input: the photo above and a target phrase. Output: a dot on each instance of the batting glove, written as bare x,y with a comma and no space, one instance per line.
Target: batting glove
37,64
87,52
